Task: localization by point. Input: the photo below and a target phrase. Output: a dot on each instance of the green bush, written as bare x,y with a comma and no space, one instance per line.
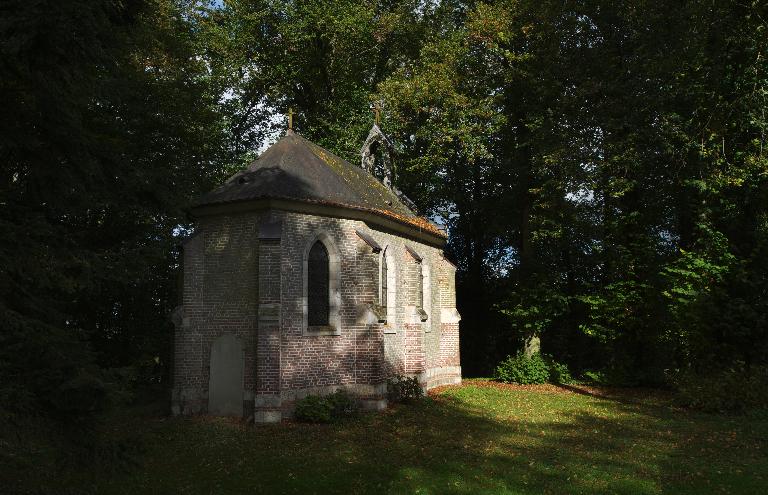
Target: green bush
314,409
625,376
534,369
558,372
343,405
594,377
326,409
522,369
404,389
737,389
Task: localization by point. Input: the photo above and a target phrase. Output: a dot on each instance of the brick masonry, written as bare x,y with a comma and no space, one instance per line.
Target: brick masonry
244,275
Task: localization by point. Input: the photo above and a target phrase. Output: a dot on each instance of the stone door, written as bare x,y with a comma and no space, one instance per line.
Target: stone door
225,390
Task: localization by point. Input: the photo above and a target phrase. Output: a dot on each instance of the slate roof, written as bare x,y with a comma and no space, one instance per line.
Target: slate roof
295,168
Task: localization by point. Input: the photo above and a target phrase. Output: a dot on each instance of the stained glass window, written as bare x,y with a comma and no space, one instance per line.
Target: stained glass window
318,297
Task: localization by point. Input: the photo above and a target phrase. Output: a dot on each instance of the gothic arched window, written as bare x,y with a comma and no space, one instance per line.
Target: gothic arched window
318,286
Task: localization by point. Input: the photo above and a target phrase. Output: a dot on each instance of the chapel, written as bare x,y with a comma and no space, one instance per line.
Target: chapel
305,275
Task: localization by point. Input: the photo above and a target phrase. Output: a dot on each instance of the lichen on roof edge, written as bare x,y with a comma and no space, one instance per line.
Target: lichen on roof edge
297,169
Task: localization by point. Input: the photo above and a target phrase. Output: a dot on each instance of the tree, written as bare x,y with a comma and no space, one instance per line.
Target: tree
111,123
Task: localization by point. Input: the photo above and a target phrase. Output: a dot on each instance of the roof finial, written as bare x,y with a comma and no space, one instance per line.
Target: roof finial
377,113
290,119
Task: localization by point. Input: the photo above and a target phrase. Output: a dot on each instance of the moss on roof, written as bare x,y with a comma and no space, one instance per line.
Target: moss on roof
297,169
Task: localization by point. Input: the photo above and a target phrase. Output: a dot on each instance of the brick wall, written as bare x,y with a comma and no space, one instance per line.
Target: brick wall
236,282
449,346
268,340
220,296
324,360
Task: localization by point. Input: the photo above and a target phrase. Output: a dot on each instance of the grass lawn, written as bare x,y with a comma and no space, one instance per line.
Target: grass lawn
475,438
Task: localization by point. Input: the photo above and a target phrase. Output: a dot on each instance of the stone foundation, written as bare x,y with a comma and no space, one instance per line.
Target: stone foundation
435,377
371,397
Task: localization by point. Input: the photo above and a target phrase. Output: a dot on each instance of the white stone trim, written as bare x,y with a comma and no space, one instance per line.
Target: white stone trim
267,416
435,377
334,267
426,296
415,315
442,380
445,370
267,401
365,315
391,324
449,315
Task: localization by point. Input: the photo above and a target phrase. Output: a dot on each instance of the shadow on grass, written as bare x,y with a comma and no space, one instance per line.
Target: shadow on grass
468,440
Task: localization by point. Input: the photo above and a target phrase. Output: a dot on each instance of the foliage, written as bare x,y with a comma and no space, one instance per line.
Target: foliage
314,409
604,231
558,372
533,369
326,409
404,389
714,305
523,369
596,377
736,389
109,124
343,405
321,58
618,376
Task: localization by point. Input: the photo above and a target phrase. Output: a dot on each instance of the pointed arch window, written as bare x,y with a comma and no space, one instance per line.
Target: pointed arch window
318,286
321,297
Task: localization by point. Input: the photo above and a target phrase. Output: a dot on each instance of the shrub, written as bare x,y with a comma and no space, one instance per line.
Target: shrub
343,405
522,369
558,372
404,389
736,389
594,377
326,409
314,409
622,376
